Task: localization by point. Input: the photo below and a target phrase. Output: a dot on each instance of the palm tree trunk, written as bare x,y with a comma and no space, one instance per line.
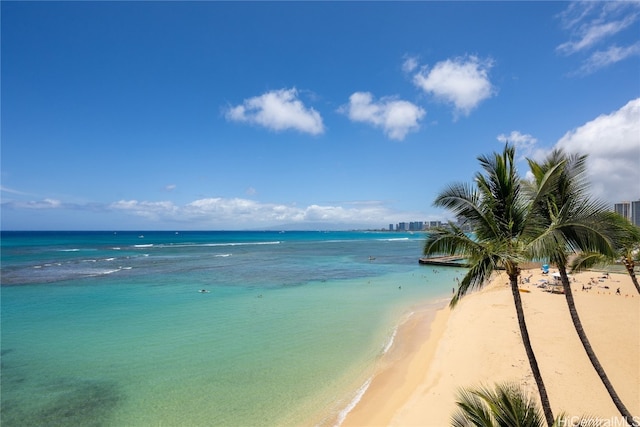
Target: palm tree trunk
544,399
634,279
630,269
589,350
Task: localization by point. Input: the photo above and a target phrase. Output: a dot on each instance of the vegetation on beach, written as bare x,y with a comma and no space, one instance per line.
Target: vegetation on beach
507,405
549,218
573,222
500,217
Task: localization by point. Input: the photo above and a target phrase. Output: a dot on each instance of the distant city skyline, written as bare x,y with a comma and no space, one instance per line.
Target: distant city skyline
414,225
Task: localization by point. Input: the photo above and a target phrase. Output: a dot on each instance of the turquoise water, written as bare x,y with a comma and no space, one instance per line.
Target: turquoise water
110,329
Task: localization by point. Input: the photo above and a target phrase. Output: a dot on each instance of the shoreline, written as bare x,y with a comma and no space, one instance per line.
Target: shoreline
478,343
392,383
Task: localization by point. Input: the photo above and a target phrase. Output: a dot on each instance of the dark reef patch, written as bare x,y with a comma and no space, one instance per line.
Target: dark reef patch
62,402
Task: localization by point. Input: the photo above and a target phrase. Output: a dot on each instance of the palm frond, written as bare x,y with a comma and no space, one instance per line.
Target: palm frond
504,405
586,260
478,274
465,202
472,411
513,406
449,241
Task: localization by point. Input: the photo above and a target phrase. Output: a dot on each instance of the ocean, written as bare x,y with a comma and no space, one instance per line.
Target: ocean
202,328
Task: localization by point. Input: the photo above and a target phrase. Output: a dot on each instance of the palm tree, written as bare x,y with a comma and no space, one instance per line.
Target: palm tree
574,223
499,216
630,253
508,405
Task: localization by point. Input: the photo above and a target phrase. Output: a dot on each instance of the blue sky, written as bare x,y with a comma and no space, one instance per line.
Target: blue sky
216,115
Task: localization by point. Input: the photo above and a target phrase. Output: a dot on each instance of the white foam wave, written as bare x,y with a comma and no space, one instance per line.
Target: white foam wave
69,250
223,255
277,242
361,391
390,342
104,272
394,239
201,245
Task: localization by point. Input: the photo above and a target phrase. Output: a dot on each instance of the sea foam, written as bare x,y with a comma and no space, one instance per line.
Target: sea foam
358,396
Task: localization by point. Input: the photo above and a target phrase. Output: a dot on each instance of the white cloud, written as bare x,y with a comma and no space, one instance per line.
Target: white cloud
37,204
233,213
463,82
593,32
395,117
524,143
239,213
593,24
243,211
410,64
278,110
170,187
612,142
46,204
150,210
575,12
11,191
603,58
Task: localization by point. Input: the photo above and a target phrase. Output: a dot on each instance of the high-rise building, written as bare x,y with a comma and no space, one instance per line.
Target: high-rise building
416,226
629,210
623,209
635,213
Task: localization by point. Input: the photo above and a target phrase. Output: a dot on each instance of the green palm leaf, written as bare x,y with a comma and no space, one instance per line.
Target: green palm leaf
507,405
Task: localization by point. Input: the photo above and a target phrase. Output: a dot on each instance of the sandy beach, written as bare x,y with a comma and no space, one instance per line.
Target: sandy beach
478,343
